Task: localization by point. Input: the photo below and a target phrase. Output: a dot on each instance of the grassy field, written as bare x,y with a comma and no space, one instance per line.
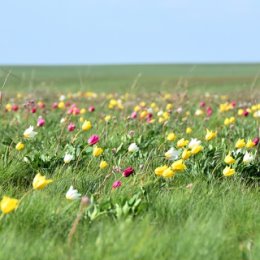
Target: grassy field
193,211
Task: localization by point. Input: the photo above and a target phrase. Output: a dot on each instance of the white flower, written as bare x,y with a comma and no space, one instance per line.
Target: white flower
26,160
68,158
150,110
62,98
133,148
29,133
72,194
160,113
248,157
179,110
172,154
63,120
193,143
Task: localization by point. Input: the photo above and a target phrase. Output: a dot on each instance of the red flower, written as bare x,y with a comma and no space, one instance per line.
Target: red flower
128,171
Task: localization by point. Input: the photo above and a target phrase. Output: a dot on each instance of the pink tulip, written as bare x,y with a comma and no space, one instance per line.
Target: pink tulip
40,122
33,110
93,139
71,127
55,105
15,107
91,109
116,184
128,171
134,115
209,111
256,141
202,104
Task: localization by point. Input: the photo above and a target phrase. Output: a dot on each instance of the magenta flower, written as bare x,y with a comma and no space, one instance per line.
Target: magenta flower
55,105
202,104
116,184
209,111
15,107
256,141
33,110
91,109
40,122
245,113
134,115
71,127
93,139
128,171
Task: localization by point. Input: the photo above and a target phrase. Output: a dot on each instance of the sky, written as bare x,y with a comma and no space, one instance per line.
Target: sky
129,31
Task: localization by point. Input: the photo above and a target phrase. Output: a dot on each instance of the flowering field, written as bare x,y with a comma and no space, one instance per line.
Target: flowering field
102,173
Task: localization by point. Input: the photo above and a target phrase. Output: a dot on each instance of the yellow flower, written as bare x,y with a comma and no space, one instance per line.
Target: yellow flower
159,170
97,151
171,137
250,144
196,149
107,118
228,171
40,182
229,121
86,125
210,135
240,143
103,165
168,173
8,107
61,105
188,130
229,159
169,106
178,165
8,204
19,146
186,154
83,111
182,142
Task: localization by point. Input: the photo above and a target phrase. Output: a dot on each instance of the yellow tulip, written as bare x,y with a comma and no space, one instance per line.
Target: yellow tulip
210,135
178,165
19,146
182,142
103,165
159,170
250,144
196,149
229,159
8,204
228,171
168,173
40,182
97,151
186,154
171,137
188,130
240,143
86,125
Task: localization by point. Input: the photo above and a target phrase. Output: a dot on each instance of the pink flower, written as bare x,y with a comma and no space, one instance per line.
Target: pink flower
116,184
233,103
40,122
134,115
93,139
256,141
15,107
202,104
209,111
71,127
128,171
91,109
245,113
55,105
33,110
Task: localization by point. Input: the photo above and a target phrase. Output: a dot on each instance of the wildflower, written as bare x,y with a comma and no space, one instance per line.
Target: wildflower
40,122
71,127
103,165
178,165
228,171
8,204
168,173
229,159
128,171
116,184
188,130
159,170
196,149
97,151
133,148
210,135
172,154
199,112
240,143
86,125
229,121
171,137
107,118
194,142
186,154
248,157
29,133
40,182
91,109
93,139
256,141
20,146
68,158
72,194
250,144
182,142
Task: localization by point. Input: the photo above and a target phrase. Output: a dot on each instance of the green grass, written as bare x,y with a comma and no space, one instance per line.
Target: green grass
148,217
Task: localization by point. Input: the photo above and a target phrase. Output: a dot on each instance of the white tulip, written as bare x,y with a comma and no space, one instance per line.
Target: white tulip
72,194
172,154
193,143
68,158
248,157
29,133
133,148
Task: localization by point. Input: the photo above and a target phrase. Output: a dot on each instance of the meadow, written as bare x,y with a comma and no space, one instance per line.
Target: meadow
130,162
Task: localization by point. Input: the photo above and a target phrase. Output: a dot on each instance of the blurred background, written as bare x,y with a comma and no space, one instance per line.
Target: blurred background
129,31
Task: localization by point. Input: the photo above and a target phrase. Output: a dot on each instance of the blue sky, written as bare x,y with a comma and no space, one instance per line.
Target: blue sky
129,31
